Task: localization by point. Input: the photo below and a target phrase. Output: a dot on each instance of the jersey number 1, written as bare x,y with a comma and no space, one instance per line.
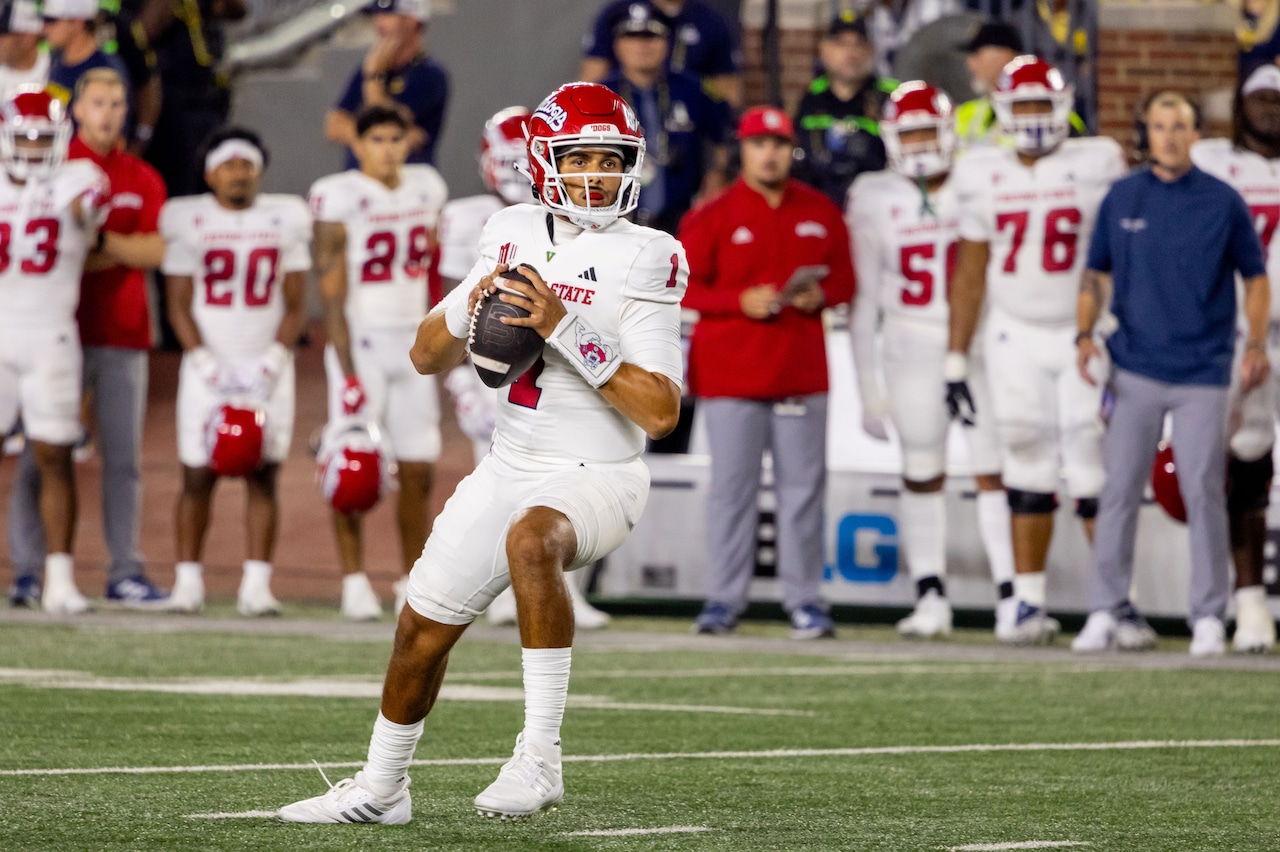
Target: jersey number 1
524,391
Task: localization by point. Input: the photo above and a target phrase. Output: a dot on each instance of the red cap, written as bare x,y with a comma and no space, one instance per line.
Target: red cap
765,121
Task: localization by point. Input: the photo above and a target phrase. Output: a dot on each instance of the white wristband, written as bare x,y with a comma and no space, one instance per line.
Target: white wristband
458,319
956,367
585,349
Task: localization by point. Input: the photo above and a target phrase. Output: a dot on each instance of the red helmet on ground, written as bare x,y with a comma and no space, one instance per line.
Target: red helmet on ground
585,115
1164,483
352,466
916,105
34,116
504,158
234,438
1027,79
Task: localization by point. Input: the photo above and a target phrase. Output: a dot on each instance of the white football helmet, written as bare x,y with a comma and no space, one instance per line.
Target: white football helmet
918,106
353,466
1028,78
34,133
504,160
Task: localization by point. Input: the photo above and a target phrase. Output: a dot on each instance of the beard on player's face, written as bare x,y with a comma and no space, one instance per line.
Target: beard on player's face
1262,116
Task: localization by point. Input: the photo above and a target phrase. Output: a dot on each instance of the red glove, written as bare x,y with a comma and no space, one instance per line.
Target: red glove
353,397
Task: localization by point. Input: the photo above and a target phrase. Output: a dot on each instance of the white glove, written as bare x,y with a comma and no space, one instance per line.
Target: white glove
269,370
209,369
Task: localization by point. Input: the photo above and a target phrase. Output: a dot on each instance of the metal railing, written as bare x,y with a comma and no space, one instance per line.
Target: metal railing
276,31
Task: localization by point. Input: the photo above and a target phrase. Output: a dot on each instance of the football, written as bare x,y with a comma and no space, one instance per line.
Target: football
502,353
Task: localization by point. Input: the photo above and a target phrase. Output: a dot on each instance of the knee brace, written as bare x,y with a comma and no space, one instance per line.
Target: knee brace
1087,508
1031,502
1249,484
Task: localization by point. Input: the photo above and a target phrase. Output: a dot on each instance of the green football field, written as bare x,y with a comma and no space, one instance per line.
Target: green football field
155,732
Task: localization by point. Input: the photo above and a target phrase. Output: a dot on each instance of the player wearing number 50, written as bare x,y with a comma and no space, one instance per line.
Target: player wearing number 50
236,267
1026,216
564,483
50,210
375,228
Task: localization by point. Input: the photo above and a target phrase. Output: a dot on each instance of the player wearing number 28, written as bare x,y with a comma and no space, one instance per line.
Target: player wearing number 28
1026,216
564,483
235,265
375,229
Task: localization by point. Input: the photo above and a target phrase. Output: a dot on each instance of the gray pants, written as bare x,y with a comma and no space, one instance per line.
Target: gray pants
118,378
1200,450
739,431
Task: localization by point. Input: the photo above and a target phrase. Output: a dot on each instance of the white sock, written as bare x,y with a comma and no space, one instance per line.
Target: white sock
546,689
923,533
354,583
1030,587
996,531
59,570
390,752
1251,594
257,571
188,571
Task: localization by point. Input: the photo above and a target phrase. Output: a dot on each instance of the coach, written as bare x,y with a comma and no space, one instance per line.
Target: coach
765,257
1172,237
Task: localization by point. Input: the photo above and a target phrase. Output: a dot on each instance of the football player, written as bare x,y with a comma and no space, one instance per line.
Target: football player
1026,216
50,210
235,264
375,229
1250,162
903,221
565,481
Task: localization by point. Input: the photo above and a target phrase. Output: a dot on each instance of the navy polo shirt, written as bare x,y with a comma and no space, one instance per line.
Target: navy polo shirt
422,86
702,42
1173,250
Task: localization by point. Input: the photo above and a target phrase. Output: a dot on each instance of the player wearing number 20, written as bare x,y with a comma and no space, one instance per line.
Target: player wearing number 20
235,265
375,229
1026,216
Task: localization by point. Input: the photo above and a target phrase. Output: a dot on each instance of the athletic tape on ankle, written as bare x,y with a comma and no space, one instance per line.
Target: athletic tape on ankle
585,349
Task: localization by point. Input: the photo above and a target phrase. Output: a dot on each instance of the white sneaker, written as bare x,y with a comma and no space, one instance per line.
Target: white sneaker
359,601
255,599
1133,633
1097,635
188,592
63,599
1255,628
529,782
350,801
585,616
502,612
930,618
1208,637
401,589
1006,615
1032,626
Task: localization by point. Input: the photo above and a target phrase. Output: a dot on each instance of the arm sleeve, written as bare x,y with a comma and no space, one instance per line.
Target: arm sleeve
1246,248
179,258
1099,258
353,95
698,236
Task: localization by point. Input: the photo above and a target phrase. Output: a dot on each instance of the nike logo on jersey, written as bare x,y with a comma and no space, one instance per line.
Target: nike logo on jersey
589,274
569,293
742,236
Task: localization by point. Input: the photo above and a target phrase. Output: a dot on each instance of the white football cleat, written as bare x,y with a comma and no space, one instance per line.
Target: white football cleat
930,618
1208,637
188,591
1255,628
359,601
1033,626
502,612
531,781
351,801
255,598
401,589
585,616
63,599
1097,635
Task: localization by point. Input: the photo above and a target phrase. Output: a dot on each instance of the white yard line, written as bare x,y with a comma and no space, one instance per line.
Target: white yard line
632,832
241,815
1021,844
771,754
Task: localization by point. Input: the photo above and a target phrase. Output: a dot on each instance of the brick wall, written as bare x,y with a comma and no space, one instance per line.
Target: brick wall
800,23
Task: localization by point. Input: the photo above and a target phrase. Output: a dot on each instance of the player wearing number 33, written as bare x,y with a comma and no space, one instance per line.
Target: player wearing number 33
375,229
235,265
1026,216
564,483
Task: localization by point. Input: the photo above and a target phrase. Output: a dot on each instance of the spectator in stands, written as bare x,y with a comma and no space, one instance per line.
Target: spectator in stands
702,44
396,72
993,46
1171,237
765,258
70,28
1258,34
895,22
115,332
187,41
684,127
143,81
22,62
838,117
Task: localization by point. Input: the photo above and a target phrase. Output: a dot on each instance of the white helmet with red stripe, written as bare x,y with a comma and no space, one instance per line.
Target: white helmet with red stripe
916,105
585,115
234,437
504,158
1030,79
352,467
34,133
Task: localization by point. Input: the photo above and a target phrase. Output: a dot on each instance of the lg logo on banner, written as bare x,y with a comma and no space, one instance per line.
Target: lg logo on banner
866,549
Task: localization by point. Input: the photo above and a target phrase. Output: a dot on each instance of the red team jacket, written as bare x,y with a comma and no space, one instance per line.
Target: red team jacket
738,241
113,301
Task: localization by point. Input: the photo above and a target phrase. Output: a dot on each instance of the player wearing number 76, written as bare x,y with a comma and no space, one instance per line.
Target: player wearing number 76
374,233
1026,216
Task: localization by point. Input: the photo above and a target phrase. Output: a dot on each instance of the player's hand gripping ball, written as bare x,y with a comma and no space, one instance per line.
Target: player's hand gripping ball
502,353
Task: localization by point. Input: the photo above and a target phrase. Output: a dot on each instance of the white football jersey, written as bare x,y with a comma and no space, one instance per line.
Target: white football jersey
1257,179
389,234
238,260
626,282
461,223
904,243
43,246
1038,221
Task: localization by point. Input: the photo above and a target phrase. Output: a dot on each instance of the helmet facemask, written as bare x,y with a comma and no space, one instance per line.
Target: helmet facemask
923,158
33,148
505,174
1040,132
547,152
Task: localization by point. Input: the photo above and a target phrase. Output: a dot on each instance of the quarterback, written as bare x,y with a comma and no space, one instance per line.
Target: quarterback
565,482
